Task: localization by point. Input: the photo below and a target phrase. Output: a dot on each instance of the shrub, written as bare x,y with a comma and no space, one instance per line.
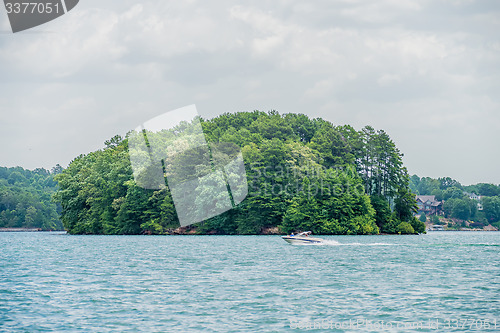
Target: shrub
418,226
405,228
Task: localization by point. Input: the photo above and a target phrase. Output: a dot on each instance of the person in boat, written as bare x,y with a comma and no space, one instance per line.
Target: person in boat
291,235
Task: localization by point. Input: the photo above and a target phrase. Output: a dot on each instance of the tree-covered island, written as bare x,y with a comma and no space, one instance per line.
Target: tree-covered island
302,174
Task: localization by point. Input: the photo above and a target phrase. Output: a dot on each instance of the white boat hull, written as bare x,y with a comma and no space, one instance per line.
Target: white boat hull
302,240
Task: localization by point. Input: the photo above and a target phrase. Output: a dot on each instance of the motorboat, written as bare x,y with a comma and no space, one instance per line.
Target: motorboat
302,238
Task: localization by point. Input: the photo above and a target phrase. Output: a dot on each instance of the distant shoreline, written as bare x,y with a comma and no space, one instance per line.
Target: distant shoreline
476,230
27,230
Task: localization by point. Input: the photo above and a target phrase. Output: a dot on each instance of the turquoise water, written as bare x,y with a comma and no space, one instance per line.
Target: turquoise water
60,283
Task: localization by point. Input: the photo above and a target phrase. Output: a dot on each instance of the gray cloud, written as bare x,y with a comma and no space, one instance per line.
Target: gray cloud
425,71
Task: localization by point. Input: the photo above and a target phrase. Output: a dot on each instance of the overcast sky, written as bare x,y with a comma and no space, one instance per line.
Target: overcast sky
427,72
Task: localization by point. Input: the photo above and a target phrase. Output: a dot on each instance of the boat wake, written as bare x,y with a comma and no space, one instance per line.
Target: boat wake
324,242
369,244
331,242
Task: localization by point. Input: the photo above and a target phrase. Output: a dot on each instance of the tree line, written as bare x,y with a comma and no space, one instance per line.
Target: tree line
302,174
26,198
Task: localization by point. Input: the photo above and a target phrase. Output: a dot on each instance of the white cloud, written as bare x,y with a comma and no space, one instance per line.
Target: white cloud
379,11
320,89
388,79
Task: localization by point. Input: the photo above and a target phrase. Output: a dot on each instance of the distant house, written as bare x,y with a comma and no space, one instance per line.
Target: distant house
428,205
474,196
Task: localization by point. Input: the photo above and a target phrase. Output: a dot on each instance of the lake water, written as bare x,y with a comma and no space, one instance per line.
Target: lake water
442,281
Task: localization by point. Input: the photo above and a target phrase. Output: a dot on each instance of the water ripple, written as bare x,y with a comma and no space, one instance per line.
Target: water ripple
61,283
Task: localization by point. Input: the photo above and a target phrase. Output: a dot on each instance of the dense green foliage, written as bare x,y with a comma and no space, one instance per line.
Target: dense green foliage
303,174
405,228
491,209
25,199
460,208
